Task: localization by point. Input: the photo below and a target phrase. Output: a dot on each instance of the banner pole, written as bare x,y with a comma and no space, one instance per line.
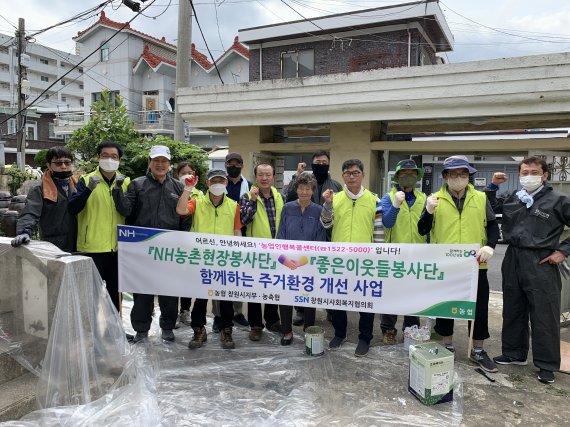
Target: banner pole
470,344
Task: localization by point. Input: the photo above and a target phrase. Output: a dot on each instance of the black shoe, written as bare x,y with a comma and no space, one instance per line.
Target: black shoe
287,341
483,359
241,320
140,336
506,360
545,376
276,327
299,318
130,338
217,325
336,342
362,348
167,335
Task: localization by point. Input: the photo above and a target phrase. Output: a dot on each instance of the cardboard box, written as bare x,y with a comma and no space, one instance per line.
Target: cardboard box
431,373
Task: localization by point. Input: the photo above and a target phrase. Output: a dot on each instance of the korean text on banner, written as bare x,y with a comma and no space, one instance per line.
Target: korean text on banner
412,279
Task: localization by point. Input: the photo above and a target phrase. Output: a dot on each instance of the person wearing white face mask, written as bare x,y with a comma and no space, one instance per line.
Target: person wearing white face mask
215,213
458,213
97,217
533,221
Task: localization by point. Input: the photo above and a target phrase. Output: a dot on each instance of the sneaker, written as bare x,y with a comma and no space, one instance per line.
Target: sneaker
241,320
299,318
483,359
389,337
336,342
545,376
226,339
167,335
140,336
255,333
506,360
217,325
184,317
199,338
362,348
276,327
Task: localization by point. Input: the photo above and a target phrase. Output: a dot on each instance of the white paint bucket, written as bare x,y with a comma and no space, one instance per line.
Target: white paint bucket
315,341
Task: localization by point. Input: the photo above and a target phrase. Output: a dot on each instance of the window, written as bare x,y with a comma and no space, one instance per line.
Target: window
113,96
80,85
44,61
63,82
62,65
44,78
52,133
12,123
31,131
80,69
104,52
297,64
63,99
81,103
46,96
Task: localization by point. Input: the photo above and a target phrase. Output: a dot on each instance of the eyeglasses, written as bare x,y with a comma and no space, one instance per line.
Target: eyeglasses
355,174
109,156
61,162
458,174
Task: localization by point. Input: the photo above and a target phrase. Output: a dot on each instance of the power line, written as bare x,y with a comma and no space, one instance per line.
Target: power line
205,42
77,65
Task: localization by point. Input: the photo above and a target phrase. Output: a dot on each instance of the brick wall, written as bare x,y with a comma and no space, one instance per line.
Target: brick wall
385,50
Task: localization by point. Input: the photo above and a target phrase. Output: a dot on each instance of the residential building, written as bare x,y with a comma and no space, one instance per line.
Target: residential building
43,67
428,112
141,69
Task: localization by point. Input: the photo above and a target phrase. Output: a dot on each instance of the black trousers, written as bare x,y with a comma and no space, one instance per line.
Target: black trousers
141,314
198,315
286,313
531,291
444,327
185,304
365,324
107,264
270,314
388,321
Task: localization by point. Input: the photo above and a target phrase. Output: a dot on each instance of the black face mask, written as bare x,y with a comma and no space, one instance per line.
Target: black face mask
233,171
321,172
61,175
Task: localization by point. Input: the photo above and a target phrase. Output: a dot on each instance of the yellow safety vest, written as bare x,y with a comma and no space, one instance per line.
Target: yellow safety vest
259,226
405,229
354,219
210,219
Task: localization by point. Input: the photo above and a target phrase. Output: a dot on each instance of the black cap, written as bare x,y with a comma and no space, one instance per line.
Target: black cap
234,156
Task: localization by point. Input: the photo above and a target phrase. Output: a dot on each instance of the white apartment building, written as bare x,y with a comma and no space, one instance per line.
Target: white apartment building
44,66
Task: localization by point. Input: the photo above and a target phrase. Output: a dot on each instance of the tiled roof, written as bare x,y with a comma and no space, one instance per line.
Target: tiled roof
240,48
200,58
103,20
153,59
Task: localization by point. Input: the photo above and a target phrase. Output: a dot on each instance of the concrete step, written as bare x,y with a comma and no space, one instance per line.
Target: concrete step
18,397
9,368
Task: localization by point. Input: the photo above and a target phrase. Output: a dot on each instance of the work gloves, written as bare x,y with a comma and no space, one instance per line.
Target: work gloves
120,180
431,204
485,253
20,239
93,182
399,198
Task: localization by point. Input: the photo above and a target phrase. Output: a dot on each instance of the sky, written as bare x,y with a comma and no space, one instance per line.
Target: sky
483,29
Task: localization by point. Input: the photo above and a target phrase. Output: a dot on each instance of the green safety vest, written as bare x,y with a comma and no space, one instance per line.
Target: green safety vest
97,222
469,226
259,226
210,219
405,229
354,219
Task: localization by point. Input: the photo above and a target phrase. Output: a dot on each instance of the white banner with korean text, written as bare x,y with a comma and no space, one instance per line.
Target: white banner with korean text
412,279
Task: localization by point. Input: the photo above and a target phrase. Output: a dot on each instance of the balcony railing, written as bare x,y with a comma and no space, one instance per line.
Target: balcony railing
153,122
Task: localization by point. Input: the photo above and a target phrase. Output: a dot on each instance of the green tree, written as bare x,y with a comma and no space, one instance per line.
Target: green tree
136,156
40,159
109,121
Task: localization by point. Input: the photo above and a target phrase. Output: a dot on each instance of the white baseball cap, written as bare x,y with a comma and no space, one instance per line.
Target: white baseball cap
159,151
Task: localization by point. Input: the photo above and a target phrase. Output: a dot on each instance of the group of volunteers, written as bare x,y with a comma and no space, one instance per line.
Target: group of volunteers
83,214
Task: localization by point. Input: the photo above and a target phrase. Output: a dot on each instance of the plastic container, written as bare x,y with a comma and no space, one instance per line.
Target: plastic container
315,341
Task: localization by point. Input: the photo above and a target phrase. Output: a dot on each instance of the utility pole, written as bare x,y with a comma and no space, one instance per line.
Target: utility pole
183,60
20,131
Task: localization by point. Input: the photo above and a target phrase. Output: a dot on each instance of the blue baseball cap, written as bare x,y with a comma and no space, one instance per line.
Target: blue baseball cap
458,162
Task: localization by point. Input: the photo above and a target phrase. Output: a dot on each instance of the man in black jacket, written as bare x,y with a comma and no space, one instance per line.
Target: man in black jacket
152,200
47,203
533,220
